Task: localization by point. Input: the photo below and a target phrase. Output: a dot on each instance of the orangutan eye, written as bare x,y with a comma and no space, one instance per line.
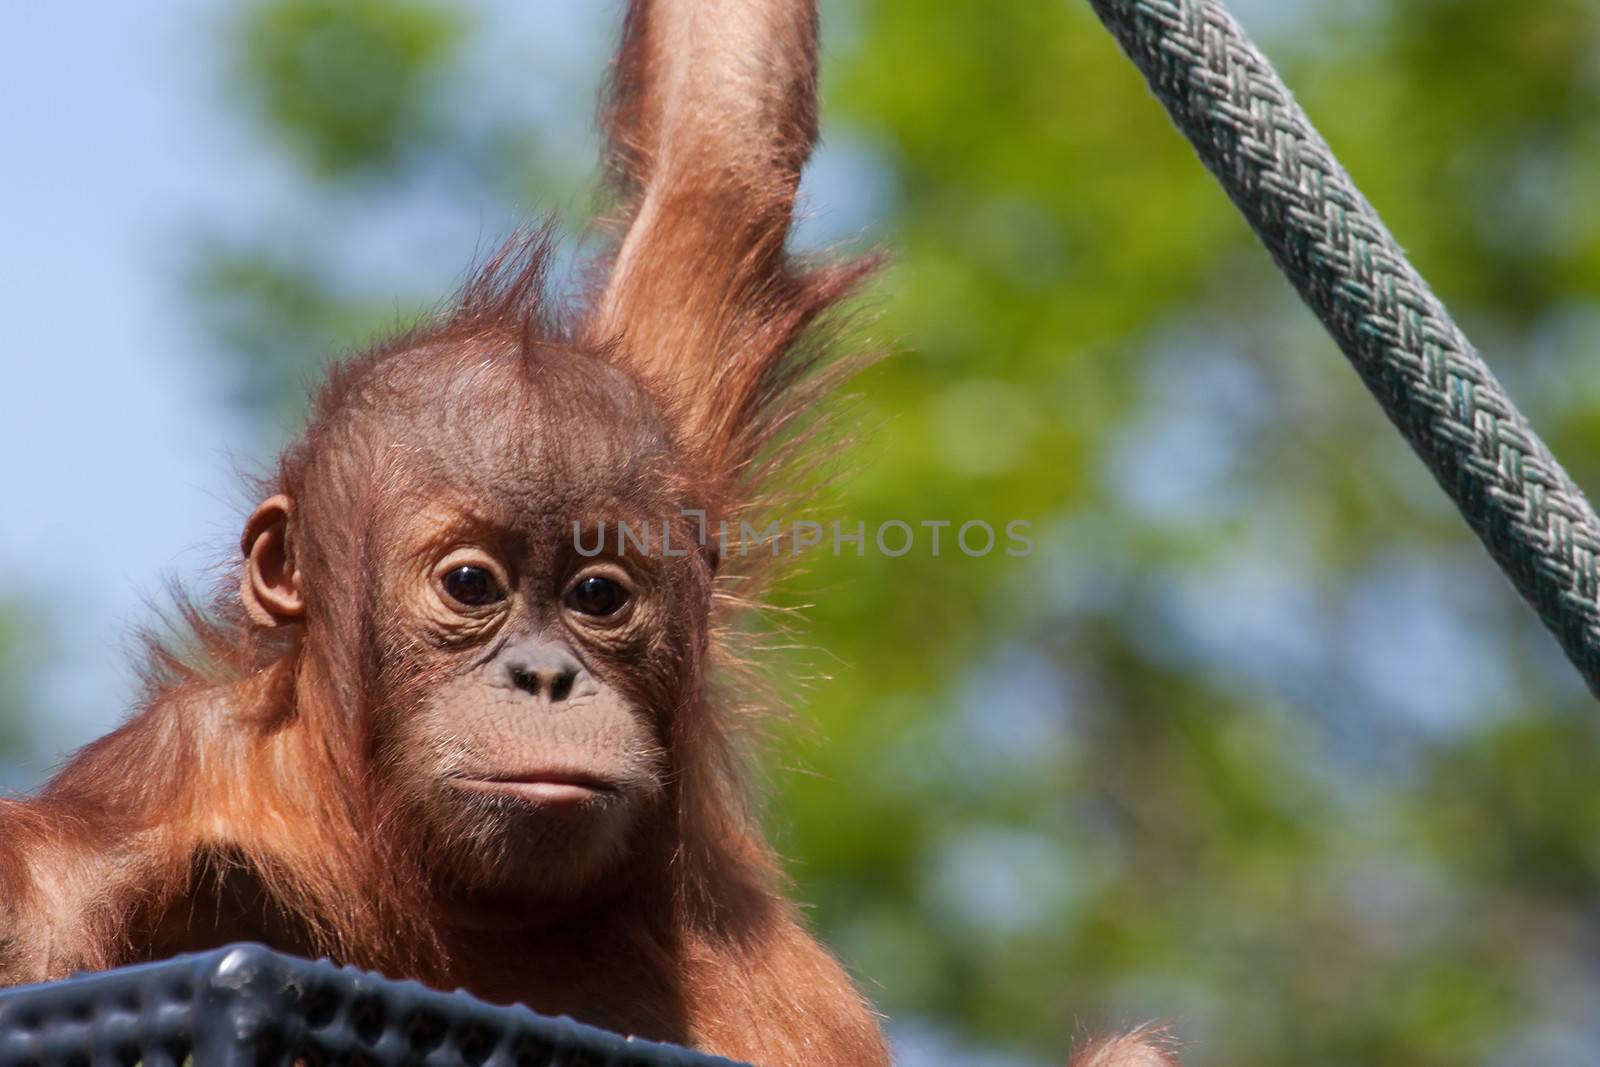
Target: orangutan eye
597,596
475,587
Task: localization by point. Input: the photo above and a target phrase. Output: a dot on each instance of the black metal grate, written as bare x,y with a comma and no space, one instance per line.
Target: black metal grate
248,1006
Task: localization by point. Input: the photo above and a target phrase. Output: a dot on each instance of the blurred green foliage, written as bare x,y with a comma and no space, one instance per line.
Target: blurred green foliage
20,650
1256,740
278,308
349,83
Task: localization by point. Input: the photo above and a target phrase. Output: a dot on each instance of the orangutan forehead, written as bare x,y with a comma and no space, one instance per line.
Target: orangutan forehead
558,454
554,481
512,414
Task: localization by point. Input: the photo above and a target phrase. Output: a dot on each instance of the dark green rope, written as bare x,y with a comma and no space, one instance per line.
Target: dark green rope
1334,248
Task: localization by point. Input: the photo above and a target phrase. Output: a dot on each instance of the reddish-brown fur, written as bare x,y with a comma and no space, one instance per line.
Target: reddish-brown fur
1144,1046
284,779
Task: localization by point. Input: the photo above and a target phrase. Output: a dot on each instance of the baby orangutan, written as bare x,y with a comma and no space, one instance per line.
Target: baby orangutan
447,725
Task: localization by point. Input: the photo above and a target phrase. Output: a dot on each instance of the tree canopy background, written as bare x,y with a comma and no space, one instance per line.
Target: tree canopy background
1256,740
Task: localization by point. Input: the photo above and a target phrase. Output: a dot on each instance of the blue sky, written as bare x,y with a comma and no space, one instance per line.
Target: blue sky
116,469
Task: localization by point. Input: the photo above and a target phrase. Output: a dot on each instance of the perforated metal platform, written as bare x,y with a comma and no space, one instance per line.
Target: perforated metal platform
247,1006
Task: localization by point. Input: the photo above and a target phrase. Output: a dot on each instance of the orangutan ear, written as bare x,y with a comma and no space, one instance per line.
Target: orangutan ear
270,586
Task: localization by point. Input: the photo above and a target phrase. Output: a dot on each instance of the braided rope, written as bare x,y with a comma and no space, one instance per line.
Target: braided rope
1333,247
